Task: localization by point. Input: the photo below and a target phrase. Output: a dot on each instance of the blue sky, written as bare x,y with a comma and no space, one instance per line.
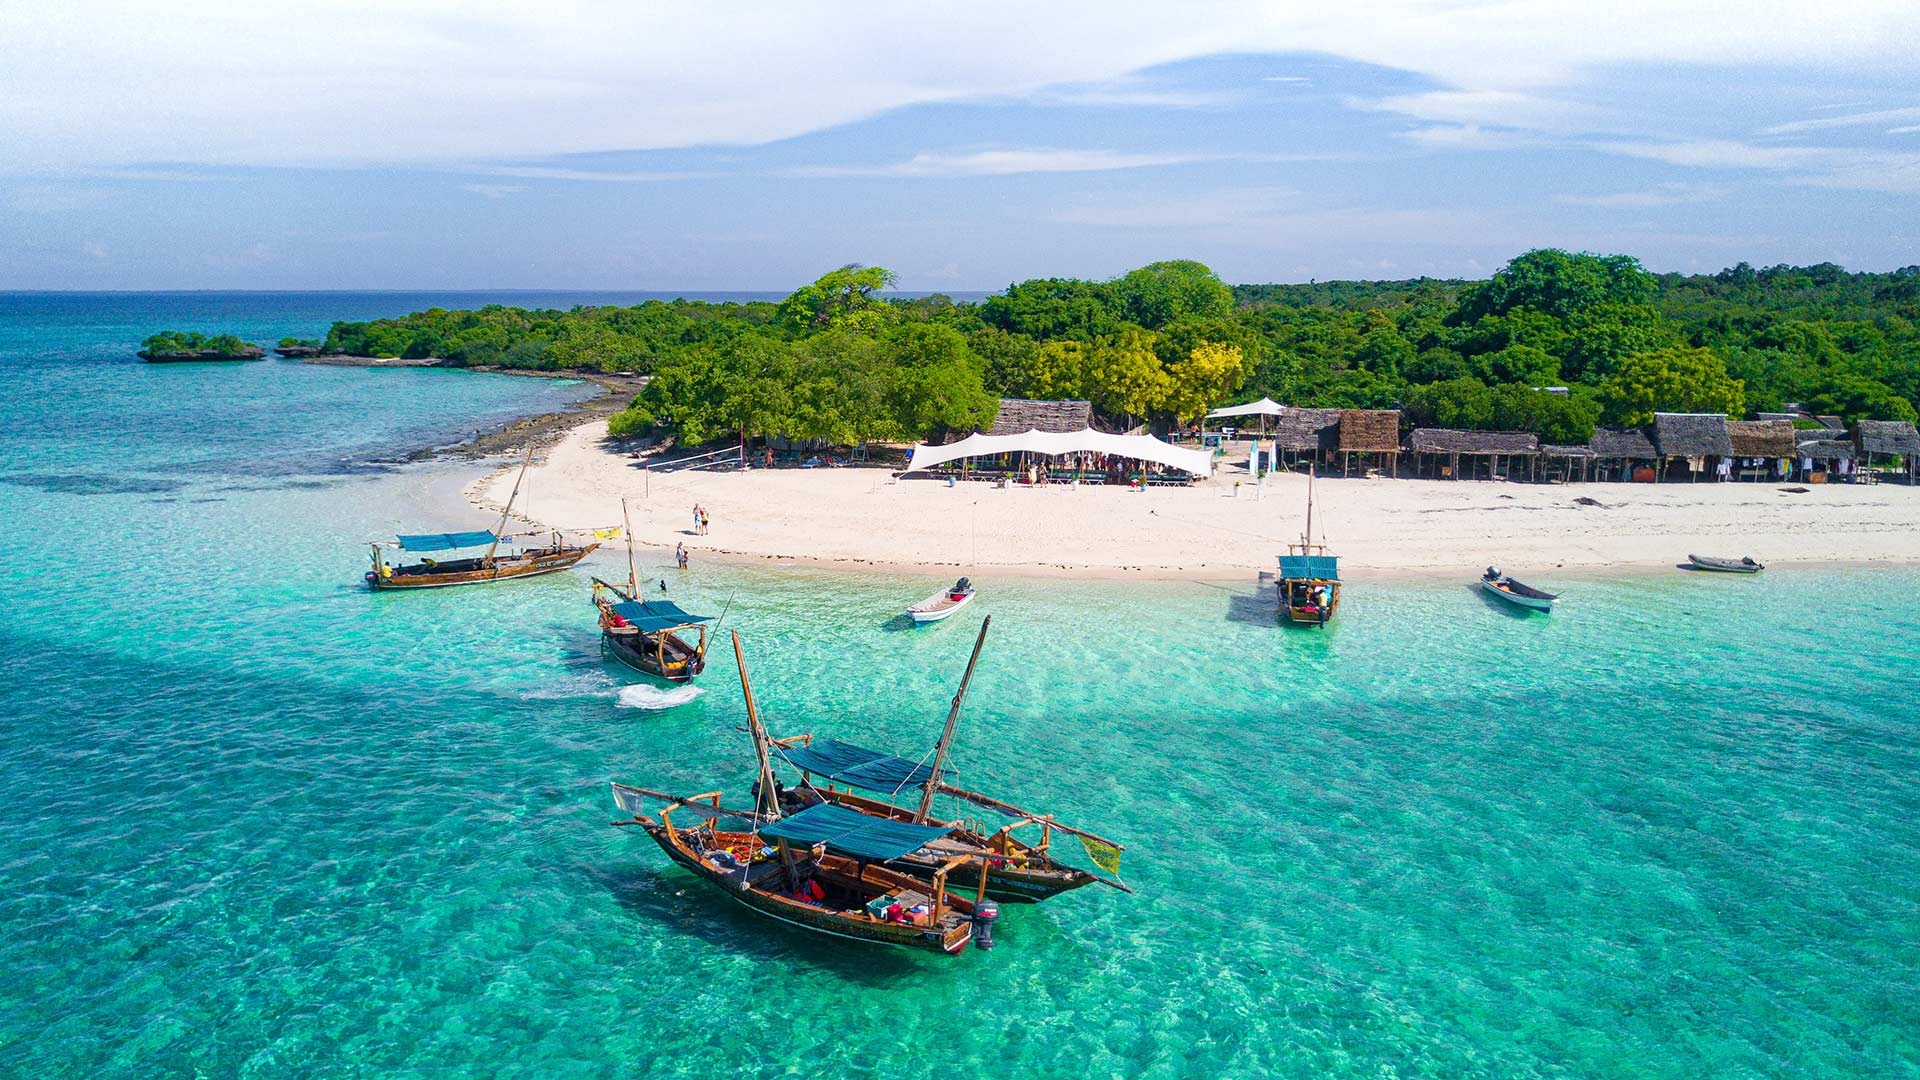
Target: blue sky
635,146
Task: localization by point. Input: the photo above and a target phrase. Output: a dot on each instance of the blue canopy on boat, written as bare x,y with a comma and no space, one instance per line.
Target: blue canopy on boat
653,616
1317,567
859,766
852,833
446,541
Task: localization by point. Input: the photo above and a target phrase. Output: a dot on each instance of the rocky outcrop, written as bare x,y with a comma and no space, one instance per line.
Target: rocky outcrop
298,352
251,352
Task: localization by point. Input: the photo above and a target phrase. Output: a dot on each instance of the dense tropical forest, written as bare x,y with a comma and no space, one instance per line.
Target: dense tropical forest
179,343
839,361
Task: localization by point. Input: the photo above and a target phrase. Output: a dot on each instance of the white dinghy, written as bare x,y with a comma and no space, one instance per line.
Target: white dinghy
943,603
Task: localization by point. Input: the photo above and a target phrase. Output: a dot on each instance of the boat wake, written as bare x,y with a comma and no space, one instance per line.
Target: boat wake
642,696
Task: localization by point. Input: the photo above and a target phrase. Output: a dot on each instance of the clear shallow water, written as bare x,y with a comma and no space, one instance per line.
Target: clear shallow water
260,821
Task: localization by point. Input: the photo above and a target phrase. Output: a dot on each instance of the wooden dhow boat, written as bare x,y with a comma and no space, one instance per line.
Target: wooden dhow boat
491,566
1742,565
1016,871
824,869
646,634
1309,576
1516,592
943,604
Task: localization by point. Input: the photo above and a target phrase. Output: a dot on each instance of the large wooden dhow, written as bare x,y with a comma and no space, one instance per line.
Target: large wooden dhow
821,869
1015,871
487,567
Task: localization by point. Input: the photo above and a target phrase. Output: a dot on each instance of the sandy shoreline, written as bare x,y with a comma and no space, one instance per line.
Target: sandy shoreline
866,519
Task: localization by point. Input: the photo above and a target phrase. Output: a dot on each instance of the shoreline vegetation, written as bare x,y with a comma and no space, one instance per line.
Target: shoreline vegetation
174,346
1553,345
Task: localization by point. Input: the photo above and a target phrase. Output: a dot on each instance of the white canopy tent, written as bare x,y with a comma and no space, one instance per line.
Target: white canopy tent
1263,407
1059,443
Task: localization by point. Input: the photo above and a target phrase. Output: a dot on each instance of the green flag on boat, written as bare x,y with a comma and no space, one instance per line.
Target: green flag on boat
1105,856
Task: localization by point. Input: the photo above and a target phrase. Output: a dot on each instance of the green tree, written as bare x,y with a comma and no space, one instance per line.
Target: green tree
842,297
1856,398
1159,293
1669,380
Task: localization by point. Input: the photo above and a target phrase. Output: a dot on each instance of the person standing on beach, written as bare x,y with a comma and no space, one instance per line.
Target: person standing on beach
696,518
680,555
704,520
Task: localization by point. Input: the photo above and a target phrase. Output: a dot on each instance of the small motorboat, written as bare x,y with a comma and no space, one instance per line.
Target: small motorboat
1517,593
943,603
1742,565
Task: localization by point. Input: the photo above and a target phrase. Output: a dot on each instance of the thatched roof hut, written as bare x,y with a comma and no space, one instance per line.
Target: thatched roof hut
1887,437
1018,416
1306,430
1449,441
1827,449
1761,438
1557,450
1691,435
1622,444
1372,431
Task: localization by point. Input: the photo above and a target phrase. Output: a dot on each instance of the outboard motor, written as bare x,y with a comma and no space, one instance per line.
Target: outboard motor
962,585
984,913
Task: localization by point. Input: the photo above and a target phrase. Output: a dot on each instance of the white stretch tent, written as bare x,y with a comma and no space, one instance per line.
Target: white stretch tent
1263,407
1057,443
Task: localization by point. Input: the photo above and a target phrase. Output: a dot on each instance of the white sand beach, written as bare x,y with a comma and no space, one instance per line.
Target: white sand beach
855,516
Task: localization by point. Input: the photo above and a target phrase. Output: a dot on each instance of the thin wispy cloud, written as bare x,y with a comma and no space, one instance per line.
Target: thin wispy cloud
1876,117
1671,194
593,176
1008,163
493,191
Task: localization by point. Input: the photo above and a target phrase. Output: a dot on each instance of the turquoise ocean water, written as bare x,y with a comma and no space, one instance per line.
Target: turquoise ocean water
262,823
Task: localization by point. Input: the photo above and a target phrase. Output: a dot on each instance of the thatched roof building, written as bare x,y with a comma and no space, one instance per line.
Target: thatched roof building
1018,416
1887,437
1827,449
1761,438
1306,430
1691,435
1449,441
1622,443
1373,431
1556,450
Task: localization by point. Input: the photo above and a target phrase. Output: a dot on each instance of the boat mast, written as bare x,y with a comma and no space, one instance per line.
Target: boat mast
633,572
768,804
508,509
946,736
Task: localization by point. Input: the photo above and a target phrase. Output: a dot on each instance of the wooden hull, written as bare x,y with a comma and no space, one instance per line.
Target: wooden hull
1304,613
478,572
641,652
949,938
1026,875
1530,603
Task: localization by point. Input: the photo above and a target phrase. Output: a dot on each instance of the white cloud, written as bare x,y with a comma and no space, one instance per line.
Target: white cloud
1285,79
599,176
1674,194
1006,163
1816,166
1909,130
1470,137
464,81
1490,108
493,191
1878,116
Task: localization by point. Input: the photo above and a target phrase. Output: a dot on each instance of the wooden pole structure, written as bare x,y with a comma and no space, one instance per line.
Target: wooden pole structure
767,804
633,569
508,509
946,736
